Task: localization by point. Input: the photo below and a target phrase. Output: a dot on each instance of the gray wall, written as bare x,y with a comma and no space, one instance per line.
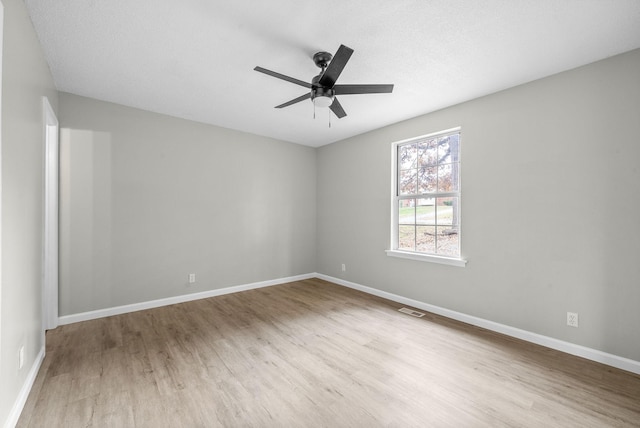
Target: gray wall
25,79
550,185
147,199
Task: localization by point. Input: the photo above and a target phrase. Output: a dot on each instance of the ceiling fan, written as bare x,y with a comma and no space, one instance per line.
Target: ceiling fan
323,86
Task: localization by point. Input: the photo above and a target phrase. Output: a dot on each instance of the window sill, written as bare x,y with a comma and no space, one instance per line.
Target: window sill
426,258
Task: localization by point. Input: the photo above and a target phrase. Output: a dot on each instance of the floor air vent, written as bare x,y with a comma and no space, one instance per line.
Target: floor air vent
411,312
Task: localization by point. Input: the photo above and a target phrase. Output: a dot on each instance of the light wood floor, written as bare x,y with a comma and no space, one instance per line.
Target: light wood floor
314,354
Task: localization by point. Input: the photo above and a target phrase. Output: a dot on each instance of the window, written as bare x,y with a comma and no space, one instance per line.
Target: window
426,198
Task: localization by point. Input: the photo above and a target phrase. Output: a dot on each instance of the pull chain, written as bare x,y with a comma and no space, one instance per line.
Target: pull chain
314,114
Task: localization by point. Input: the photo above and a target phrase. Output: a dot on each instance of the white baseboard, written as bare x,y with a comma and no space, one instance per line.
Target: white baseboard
107,312
21,400
550,342
560,345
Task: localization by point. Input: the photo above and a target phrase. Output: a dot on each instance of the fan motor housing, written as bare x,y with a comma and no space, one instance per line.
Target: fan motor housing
321,91
317,90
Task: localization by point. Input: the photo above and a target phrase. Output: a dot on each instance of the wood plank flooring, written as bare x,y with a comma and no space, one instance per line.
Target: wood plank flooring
314,354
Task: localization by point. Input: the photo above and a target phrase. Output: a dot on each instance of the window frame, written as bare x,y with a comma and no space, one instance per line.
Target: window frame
396,197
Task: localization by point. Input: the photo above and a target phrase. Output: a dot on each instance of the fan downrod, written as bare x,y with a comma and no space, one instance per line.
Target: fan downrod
322,59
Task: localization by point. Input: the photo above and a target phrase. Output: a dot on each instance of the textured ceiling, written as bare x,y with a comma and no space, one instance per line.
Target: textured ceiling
194,59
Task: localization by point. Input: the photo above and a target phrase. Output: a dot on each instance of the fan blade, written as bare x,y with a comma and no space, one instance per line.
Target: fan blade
336,66
363,89
283,77
295,100
337,109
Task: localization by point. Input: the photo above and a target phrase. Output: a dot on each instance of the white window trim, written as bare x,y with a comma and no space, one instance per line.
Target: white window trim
411,255
451,261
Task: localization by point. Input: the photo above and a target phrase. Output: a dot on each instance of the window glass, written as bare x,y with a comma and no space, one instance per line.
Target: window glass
427,197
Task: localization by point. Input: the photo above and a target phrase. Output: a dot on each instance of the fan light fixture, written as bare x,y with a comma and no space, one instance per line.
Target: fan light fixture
322,101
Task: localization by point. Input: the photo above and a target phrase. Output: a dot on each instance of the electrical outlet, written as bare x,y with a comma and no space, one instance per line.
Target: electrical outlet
344,267
572,319
21,357
192,278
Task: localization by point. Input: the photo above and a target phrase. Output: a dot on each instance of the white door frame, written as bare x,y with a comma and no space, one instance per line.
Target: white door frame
50,244
1,44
